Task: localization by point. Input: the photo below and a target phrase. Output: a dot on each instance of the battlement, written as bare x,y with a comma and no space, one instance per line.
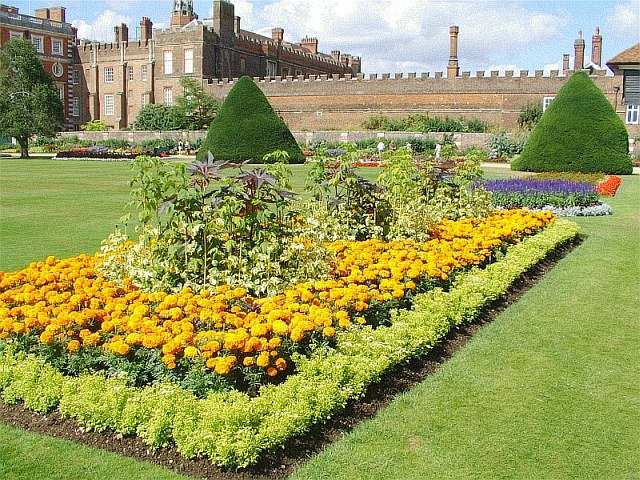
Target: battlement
480,75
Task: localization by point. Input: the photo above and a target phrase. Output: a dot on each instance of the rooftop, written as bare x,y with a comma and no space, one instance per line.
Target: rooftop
28,21
630,55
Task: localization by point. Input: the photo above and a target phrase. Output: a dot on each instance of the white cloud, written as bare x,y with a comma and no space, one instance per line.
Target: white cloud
101,29
394,35
625,20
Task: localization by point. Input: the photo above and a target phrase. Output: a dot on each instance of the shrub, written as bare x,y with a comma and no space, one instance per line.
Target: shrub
502,145
94,126
424,123
580,131
161,117
247,128
530,115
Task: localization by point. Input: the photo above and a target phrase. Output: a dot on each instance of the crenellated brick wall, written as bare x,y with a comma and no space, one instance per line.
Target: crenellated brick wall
333,102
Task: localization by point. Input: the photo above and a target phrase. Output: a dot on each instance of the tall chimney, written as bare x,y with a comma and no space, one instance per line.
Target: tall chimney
236,27
58,14
453,69
565,64
146,29
42,13
277,34
596,48
310,45
579,52
336,55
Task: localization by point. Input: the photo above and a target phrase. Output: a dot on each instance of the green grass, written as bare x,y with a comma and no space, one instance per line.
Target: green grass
28,456
549,390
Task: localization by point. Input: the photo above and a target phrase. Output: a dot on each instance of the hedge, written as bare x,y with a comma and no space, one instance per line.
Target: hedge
234,430
579,132
247,128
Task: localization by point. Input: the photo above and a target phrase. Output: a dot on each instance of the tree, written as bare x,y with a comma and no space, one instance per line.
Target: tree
29,101
530,115
579,132
247,128
198,107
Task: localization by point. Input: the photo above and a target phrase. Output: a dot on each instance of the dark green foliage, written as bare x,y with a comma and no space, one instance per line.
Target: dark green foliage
29,101
247,128
161,117
579,132
199,108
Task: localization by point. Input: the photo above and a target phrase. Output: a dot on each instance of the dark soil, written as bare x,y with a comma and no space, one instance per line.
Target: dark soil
281,463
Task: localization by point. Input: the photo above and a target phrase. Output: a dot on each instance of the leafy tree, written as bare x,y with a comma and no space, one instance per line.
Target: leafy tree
29,101
198,106
247,128
579,132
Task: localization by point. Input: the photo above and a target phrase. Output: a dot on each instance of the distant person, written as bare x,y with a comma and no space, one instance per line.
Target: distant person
381,147
438,151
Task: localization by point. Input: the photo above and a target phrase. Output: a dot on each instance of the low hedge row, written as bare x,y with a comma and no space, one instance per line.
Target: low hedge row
234,430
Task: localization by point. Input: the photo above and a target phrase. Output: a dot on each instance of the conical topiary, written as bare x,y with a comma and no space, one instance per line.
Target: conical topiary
247,128
579,132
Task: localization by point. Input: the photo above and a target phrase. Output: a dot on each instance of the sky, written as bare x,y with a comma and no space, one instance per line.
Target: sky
395,36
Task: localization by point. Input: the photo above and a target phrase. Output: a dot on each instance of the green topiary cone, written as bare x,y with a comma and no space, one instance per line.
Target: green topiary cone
247,128
579,132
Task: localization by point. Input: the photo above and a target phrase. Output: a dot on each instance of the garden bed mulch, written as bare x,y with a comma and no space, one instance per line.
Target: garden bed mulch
283,462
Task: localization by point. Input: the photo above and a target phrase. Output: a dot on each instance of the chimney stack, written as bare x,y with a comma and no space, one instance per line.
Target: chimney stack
58,14
336,55
122,33
565,64
42,13
579,52
310,45
236,27
453,68
277,34
146,29
596,48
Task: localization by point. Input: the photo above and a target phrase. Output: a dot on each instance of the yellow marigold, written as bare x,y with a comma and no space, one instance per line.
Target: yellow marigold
329,332
73,346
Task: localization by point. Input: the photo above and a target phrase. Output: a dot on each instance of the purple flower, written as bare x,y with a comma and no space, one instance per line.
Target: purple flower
523,185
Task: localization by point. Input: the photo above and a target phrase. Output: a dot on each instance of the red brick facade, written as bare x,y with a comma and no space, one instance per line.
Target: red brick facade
55,43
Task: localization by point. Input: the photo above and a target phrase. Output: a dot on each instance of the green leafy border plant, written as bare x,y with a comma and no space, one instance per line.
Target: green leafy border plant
233,429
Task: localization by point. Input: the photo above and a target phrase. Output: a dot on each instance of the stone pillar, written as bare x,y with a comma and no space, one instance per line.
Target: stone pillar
579,52
596,48
453,69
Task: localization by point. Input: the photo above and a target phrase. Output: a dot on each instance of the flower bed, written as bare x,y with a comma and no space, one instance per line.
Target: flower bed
66,312
233,429
609,186
106,153
537,194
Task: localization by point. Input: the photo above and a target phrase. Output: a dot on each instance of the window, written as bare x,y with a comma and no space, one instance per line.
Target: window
56,47
168,63
108,74
109,105
188,61
271,69
143,99
631,86
13,35
243,65
75,106
60,91
37,43
75,75
168,96
144,72
285,72
546,101
633,114
131,74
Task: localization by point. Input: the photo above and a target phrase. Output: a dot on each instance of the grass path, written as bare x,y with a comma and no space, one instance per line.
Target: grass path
549,390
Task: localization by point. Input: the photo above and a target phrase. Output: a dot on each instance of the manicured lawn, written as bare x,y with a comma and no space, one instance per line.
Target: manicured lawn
548,390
